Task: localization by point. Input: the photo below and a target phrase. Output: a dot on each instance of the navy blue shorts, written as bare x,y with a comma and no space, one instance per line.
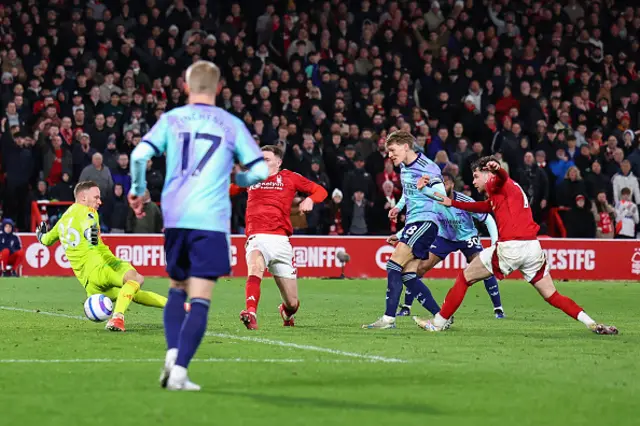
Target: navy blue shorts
419,236
442,247
196,253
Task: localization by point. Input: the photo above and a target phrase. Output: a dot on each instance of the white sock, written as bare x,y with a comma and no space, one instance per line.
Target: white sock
172,355
498,307
178,373
585,319
387,318
439,320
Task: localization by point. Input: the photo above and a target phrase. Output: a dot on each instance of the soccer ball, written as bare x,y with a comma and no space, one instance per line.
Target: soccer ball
98,307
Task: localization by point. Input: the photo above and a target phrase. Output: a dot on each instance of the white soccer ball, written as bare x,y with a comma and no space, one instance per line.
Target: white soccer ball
98,307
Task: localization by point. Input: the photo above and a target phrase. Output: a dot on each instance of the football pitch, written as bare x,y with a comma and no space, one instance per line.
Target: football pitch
536,367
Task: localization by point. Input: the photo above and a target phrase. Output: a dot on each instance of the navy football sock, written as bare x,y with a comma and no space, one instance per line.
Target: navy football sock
421,292
192,331
394,287
491,284
409,296
174,314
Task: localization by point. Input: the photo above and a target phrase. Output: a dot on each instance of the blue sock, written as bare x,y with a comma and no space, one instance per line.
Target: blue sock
394,287
421,292
174,316
491,284
192,331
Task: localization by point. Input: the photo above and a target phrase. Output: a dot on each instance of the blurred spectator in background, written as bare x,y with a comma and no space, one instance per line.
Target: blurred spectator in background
11,253
626,215
579,219
604,215
99,174
150,223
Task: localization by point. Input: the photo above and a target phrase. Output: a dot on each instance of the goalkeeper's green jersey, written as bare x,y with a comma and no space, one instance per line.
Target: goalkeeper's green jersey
72,231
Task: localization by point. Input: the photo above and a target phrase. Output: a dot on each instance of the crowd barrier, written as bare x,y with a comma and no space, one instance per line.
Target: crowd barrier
570,259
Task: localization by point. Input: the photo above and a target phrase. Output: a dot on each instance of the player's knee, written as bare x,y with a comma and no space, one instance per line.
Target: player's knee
256,268
139,279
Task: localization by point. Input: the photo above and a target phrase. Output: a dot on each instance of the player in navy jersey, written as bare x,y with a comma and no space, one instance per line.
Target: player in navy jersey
421,225
200,141
456,231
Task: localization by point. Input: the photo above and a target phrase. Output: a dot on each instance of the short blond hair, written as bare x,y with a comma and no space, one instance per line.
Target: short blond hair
400,137
202,78
83,186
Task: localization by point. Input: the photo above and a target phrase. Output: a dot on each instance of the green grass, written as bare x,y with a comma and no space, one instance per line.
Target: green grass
536,367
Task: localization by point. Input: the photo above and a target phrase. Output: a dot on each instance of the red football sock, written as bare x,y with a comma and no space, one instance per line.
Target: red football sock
252,292
454,297
565,304
291,311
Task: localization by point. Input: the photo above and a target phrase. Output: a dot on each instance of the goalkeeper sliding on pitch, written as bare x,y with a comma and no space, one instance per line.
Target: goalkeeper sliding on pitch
97,269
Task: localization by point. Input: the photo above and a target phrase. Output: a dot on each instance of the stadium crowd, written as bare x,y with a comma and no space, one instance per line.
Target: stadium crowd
549,87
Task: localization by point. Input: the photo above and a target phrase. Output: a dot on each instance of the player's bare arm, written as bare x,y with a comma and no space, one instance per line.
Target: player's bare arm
423,181
444,200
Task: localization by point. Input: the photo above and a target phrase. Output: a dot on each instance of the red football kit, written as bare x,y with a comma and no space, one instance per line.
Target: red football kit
510,206
269,203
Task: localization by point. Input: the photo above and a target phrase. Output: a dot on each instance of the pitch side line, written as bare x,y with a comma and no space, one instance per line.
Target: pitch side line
37,311
153,360
370,358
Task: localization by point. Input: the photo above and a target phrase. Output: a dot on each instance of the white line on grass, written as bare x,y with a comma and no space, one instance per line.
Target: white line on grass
369,358
374,358
154,360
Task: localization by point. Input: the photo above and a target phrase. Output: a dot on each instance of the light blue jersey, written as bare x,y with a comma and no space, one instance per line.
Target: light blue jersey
200,142
420,206
457,225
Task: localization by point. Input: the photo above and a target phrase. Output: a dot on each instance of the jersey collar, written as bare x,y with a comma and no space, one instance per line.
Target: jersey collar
414,161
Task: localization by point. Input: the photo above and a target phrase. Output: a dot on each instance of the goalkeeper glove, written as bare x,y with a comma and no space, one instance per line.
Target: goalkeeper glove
91,234
41,229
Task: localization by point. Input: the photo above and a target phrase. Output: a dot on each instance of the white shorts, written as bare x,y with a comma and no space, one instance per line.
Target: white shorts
527,257
277,253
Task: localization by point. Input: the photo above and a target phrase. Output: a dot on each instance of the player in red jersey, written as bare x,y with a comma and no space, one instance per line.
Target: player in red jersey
268,228
517,248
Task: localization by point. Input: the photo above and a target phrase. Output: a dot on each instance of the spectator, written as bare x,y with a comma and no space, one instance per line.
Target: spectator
99,174
56,161
82,154
120,174
150,223
579,220
356,214
597,182
11,253
381,224
18,164
604,215
570,188
335,210
155,182
561,165
389,175
625,179
116,210
358,180
535,185
626,216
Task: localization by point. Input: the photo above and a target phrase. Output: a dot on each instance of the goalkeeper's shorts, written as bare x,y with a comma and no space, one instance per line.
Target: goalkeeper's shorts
108,278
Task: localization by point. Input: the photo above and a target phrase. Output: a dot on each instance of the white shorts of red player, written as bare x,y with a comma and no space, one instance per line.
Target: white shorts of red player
527,257
277,253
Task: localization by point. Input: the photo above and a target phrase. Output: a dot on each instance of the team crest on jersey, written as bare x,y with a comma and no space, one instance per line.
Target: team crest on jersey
279,180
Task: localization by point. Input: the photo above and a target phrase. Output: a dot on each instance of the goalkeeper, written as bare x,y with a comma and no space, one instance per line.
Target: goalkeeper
97,269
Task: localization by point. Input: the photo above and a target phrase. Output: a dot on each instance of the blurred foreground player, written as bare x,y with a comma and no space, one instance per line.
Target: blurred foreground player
268,231
517,248
200,142
11,253
97,269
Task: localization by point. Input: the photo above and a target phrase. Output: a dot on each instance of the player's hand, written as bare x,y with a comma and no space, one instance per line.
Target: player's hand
445,201
393,213
422,182
393,240
136,205
306,205
91,234
493,166
41,229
